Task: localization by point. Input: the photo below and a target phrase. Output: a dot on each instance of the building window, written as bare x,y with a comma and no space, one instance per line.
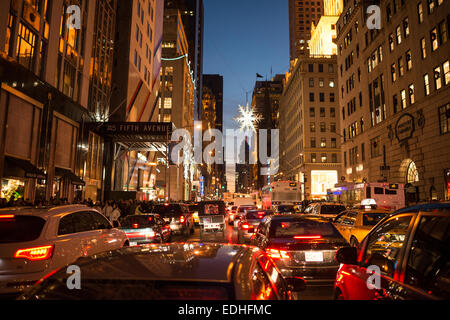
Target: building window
312,127
395,103
431,6
391,42
403,99
334,158
331,83
320,67
333,127
412,174
375,148
437,78
312,112
311,97
323,142
420,12
408,60
406,27
321,83
444,119
423,46
333,143
401,67
313,142
310,67
426,83
323,127
313,158
399,35
363,152
411,94
311,82
446,67
393,73
434,39
26,46
330,68
324,158
332,97
333,112
322,97
322,112
443,34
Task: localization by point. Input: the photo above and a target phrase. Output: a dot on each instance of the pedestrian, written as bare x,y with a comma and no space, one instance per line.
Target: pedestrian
107,210
115,213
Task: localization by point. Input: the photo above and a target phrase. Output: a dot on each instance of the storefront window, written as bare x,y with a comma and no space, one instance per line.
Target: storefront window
12,189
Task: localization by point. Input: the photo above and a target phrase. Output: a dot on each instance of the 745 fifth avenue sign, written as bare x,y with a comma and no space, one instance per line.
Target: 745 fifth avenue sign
133,128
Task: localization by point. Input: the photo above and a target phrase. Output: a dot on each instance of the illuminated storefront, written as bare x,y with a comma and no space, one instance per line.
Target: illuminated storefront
321,180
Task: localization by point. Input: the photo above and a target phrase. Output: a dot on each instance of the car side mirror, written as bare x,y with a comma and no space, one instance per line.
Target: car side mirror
296,284
347,255
116,224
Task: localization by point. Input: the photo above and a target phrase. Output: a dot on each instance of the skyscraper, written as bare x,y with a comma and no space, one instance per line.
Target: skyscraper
301,16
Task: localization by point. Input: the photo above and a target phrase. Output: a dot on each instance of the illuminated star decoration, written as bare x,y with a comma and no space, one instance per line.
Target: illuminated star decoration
247,119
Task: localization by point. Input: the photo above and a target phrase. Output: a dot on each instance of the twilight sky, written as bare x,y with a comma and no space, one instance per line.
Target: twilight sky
242,38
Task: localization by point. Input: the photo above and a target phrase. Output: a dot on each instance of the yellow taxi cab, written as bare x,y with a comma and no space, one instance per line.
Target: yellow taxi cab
355,224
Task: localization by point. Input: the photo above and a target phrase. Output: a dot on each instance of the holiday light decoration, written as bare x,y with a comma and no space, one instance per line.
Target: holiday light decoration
247,118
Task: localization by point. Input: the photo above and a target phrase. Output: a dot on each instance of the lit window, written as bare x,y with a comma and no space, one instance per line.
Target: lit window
411,93
412,174
426,83
437,78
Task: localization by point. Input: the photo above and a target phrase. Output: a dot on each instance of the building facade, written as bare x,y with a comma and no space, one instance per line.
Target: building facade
302,14
309,126
394,96
44,97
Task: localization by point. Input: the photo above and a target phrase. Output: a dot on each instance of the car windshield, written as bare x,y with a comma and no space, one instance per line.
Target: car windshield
20,229
304,227
371,219
139,221
251,215
332,209
167,210
99,289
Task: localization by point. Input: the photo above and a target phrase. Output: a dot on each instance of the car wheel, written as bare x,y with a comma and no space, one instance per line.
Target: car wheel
353,242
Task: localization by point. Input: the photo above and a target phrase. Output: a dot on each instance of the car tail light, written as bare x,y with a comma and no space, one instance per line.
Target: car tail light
135,226
245,226
278,254
315,237
35,254
6,216
182,219
141,234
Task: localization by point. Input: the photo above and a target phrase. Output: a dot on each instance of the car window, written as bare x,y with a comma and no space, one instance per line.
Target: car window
428,266
348,221
340,217
167,210
140,221
100,222
66,225
290,228
20,229
371,219
385,243
82,222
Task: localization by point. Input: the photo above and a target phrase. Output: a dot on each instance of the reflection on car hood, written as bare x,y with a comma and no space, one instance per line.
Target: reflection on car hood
177,261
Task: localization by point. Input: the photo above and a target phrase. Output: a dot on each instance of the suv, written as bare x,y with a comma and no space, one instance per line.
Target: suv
409,253
35,241
177,215
326,210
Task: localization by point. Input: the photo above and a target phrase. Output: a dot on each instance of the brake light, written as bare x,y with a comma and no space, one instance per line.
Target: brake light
182,219
307,237
278,254
135,226
166,204
142,234
6,216
35,254
245,226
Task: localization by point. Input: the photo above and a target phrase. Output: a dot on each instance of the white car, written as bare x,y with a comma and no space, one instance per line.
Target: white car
37,241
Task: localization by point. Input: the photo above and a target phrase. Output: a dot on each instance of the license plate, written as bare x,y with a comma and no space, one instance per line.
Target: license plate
212,226
132,244
313,256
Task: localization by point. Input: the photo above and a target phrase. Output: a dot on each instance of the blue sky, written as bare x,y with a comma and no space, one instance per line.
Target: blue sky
242,38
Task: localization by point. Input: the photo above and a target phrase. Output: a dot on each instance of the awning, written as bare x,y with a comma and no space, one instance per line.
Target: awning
74,179
15,167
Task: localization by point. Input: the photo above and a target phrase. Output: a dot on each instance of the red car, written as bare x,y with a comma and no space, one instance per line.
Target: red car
405,256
